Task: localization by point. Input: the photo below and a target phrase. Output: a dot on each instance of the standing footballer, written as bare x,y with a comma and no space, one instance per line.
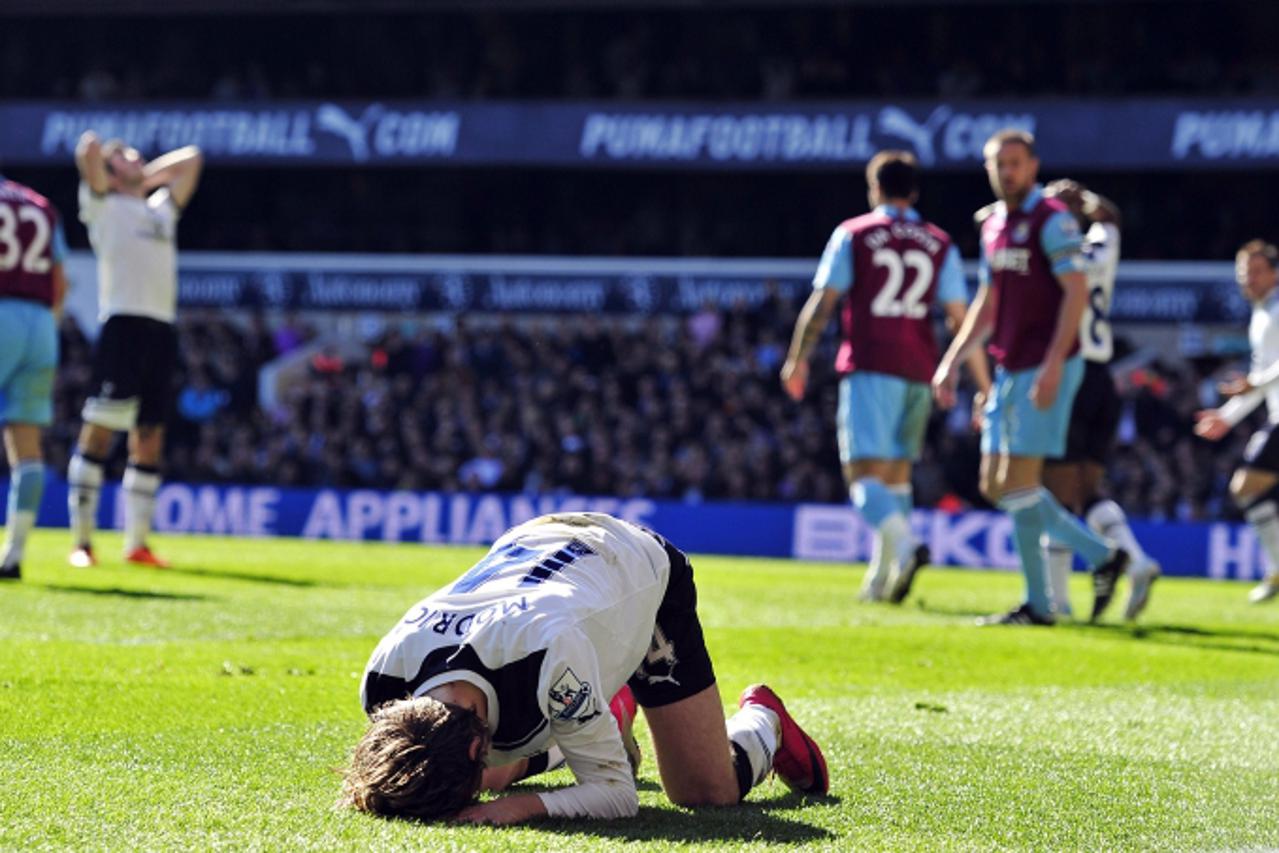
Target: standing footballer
1029,303
887,268
1075,478
1254,483
131,208
32,287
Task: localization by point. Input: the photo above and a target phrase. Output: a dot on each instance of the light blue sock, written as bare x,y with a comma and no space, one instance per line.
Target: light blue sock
873,500
1071,532
1025,509
26,485
905,497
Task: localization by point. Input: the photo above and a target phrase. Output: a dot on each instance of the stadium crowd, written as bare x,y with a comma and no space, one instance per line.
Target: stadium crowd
688,410
750,54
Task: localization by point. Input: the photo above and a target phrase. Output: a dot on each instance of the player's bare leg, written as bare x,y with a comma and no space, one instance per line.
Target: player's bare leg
1253,492
704,761
141,483
694,758
26,485
84,487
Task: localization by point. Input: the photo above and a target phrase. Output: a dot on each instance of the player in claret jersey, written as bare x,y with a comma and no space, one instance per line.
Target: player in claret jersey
519,655
1029,303
887,269
32,287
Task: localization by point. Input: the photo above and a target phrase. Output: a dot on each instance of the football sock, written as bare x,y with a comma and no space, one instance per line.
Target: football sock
84,482
882,511
905,497
754,732
141,482
878,569
1065,528
1059,559
1108,519
1264,518
1028,526
873,500
26,485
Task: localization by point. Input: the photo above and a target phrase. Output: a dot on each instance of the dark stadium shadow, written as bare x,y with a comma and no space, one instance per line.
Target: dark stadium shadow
239,576
1252,642
748,822
125,593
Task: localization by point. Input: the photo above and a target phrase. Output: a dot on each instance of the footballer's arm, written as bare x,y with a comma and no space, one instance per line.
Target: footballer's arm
979,320
809,326
978,369
179,170
89,160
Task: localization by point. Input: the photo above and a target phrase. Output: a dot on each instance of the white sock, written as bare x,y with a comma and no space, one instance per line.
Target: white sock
15,539
877,571
1108,519
757,731
1264,518
899,541
1059,560
84,481
140,486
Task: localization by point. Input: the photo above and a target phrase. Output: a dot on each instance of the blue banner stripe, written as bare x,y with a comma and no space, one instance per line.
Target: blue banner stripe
1098,134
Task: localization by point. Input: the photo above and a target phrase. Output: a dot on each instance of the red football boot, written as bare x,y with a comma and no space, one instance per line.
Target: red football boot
799,761
143,556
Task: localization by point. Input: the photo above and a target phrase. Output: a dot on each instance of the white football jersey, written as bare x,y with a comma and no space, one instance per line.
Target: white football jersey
549,625
1263,336
135,240
1101,262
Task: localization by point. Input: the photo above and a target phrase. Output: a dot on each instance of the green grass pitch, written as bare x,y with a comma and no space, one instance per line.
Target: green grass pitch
207,707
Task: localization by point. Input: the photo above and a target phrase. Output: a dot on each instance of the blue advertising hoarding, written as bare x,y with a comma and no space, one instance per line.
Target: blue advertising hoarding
1146,292
803,531
1097,134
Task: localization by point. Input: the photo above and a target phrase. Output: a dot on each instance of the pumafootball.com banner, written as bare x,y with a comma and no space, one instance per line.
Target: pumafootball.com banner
1098,134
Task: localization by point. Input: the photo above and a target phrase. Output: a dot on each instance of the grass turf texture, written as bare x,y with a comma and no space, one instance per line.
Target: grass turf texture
206,707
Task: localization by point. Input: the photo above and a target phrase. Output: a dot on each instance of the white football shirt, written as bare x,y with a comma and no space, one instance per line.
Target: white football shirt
549,625
1101,263
1263,336
135,240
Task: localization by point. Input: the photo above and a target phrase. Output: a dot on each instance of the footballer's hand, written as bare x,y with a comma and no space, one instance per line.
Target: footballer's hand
945,381
1047,383
88,140
1211,425
503,811
795,378
1234,385
979,410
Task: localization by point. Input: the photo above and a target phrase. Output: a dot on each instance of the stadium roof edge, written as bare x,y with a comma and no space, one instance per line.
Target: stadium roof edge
122,8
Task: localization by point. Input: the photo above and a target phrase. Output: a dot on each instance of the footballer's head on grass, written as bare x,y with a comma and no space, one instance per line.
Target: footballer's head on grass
420,758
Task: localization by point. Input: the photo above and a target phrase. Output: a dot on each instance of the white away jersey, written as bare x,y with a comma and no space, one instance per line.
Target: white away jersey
1263,335
135,240
549,625
1101,262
